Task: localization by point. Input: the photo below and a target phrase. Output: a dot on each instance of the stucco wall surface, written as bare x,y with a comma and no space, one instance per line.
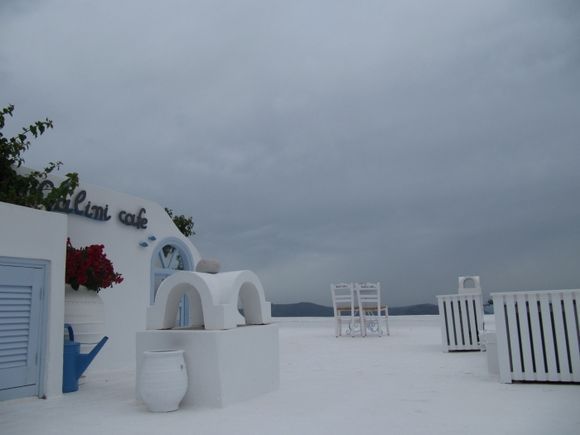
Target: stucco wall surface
26,233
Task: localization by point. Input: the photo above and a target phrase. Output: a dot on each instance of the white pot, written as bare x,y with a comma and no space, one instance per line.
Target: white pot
85,311
163,380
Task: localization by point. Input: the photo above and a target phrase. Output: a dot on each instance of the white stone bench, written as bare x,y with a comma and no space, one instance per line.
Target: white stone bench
538,335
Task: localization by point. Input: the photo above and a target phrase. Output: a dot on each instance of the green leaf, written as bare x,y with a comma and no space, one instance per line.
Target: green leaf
28,190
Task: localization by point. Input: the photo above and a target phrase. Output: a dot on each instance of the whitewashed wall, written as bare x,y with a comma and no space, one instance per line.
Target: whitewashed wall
125,303
26,233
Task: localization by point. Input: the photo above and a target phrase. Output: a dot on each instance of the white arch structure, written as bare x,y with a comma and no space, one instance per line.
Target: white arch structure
213,300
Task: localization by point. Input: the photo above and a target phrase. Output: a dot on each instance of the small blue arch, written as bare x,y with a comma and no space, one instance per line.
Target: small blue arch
161,271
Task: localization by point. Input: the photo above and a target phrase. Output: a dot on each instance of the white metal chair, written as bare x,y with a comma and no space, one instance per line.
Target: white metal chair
370,308
344,305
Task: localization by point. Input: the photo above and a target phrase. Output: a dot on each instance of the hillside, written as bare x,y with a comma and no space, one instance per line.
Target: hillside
308,309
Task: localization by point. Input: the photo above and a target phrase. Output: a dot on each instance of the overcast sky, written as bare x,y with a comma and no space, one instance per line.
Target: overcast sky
401,141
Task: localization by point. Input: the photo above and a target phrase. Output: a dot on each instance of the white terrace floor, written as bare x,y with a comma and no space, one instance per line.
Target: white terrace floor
402,384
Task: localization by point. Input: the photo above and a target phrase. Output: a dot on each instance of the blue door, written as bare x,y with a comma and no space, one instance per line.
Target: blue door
20,312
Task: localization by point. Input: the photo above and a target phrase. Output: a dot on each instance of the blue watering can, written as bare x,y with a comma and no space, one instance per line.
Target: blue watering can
74,362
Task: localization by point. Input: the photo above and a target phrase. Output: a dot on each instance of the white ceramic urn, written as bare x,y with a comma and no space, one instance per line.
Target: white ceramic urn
163,381
85,311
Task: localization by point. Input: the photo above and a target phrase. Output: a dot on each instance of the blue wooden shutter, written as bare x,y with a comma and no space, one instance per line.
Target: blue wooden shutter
20,295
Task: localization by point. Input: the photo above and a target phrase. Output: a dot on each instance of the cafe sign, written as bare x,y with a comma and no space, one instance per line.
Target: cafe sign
79,205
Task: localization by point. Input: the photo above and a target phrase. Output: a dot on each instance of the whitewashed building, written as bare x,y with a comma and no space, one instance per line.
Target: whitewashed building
134,232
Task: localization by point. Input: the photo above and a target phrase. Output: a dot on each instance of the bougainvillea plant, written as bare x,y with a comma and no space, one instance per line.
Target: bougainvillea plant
90,267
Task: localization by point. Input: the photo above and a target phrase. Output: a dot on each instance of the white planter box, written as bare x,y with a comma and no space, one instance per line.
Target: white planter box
537,335
461,320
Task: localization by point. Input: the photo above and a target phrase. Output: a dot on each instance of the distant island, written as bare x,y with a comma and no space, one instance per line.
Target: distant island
308,309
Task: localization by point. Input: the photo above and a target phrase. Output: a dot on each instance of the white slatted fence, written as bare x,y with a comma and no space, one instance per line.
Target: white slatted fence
538,336
461,320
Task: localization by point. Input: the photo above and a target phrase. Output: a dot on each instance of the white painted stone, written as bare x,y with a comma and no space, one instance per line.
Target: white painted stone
207,266
223,367
213,300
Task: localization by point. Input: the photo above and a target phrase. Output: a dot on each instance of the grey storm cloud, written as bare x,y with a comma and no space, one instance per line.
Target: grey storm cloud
407,142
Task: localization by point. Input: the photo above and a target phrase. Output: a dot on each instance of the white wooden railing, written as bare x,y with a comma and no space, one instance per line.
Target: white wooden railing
538,335
461,321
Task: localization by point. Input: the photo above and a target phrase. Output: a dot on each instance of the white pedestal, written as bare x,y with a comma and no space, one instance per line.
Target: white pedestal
224,366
